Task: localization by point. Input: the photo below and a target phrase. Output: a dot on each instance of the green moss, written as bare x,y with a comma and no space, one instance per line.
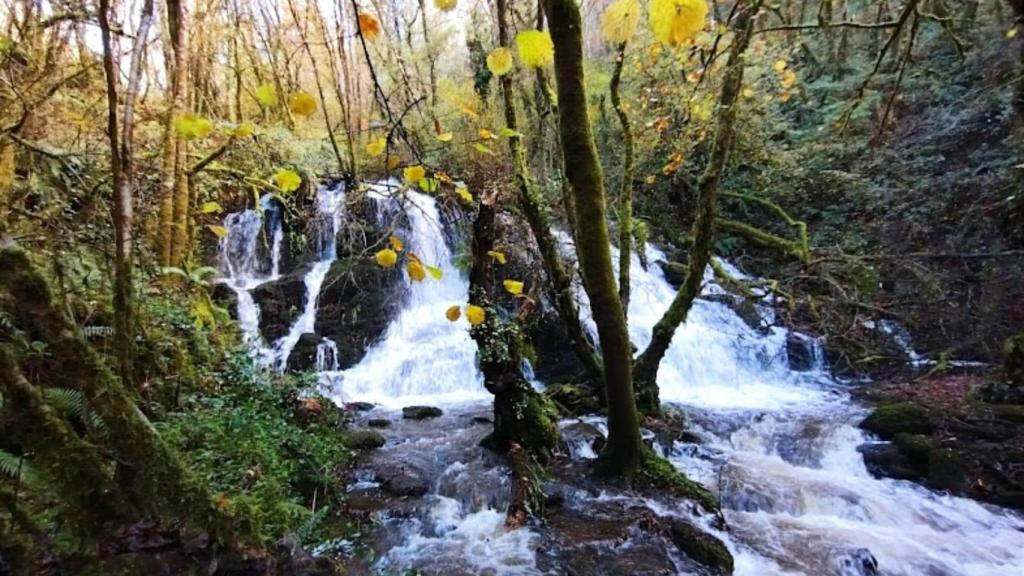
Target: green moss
1010,412
904,417
657,472
916,447
703,547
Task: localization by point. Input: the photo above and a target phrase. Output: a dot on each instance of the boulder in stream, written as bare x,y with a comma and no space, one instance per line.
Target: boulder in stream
403,480
420,412
364,439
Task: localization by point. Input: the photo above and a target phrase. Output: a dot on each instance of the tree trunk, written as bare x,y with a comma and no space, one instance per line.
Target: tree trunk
704,226
623,451
626,191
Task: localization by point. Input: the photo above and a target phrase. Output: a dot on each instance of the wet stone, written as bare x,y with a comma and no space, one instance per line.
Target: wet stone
364,439
420,412
359,406
403,480
378,423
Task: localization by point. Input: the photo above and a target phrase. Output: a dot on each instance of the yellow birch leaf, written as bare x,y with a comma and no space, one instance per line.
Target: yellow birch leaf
287,180
536,49
618,24
303,104
266,96
435,272
1011,33
445,5
486,134
429,185
788,79
509,133
219,231
453,313
415,269
211,208
748,93
413,174
376,147
243,130
468,111
386,258
499,256
483,149
463,193
191,126
780,66
445,137
513,287
393,161
475,315
676,21
499,61
396,243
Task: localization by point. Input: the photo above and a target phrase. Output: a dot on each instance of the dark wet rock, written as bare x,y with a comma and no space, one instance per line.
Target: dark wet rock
296,561
359,406
420,412
226,298
403,480
1009,387
907,417
357,302
303,356
800,352
884,459
574,399
555,360
364,439
702,547
280,302
675,272
378,423
576,436
482,420
859,562
742,306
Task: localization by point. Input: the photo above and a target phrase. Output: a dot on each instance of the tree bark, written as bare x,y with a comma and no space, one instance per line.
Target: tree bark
623,452
626,190
704,226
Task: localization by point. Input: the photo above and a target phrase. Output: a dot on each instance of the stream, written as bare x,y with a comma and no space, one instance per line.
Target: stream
776,444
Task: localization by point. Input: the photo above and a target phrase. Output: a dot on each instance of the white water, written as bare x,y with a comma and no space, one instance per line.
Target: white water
422,358
780,446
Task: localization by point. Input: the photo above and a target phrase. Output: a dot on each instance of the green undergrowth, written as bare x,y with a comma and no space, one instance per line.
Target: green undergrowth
269,449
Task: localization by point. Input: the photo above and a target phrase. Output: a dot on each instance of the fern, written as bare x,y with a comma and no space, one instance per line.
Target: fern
304,533
71,403
16,468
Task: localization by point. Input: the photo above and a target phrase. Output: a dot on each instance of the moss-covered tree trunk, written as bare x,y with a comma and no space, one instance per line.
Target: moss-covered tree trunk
150,473
1018,95
622,453
540,223
626,190
704,225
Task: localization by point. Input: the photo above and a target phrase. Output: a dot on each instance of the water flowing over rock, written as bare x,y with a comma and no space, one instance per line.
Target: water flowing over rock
769,430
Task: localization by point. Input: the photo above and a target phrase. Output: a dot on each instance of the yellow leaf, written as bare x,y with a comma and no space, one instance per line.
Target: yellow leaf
266,96
435,272
1011,33
513,287
484,149
475,315
413,174
415,269
780,66
429,185
486,134
445,137
303,104
651,179
191,126
499,256
788,79
676,21
509,133
211,208
748,93
463,193
243,130
368,26
618,24
445,5
219,231
396,243
376,147
393,161
536,49
287,180
453,313
386,258
469,111
499,61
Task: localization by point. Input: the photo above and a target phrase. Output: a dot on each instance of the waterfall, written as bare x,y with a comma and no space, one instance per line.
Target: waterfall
246,266
326,356
422,357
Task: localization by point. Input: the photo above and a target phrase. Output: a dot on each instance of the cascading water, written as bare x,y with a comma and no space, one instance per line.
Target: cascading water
422,357
247,267
780,446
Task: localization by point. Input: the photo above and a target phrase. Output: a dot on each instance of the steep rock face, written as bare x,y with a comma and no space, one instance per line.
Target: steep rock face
280,302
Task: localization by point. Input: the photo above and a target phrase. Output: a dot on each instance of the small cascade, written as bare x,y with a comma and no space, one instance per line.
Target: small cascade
247,261
422,357
326,356
329,213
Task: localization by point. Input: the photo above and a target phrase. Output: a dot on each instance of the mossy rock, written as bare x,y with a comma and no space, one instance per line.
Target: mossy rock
1009,412
904,417
657,472
702,547
574,399
916,447
948,470
364,439
420,412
